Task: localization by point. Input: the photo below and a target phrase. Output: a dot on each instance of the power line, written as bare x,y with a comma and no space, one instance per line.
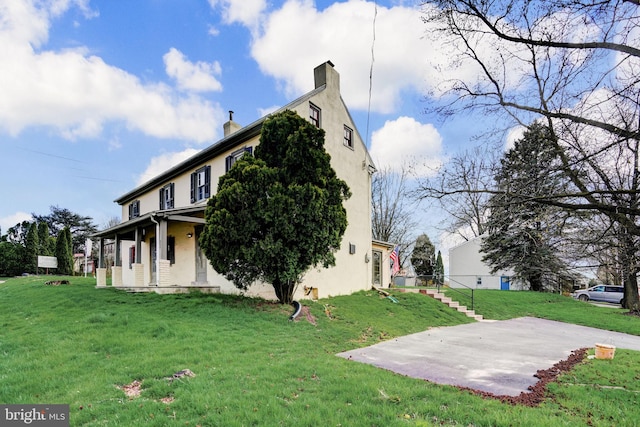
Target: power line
373,43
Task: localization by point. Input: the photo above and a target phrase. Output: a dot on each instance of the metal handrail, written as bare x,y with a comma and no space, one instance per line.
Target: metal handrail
458,289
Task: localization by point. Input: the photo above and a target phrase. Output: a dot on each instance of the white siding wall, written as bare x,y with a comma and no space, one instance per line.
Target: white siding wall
467,269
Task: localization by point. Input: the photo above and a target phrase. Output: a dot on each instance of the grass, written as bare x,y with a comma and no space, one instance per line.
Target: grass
76,345
501,305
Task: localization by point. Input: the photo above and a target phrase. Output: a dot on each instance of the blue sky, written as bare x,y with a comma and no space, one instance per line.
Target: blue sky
100,95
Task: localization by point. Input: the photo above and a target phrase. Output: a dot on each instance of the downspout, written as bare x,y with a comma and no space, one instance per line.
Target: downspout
157,261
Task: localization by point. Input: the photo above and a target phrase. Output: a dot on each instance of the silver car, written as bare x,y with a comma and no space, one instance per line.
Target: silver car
604,293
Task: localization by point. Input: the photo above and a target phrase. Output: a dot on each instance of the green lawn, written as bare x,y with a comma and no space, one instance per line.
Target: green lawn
75,344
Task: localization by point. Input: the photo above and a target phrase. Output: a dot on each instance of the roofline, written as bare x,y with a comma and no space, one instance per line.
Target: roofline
383,243
146,219
216,148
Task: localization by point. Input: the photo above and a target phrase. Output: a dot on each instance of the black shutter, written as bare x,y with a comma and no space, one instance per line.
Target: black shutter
170,202
193,187
130,210
228,162
207,182
162,199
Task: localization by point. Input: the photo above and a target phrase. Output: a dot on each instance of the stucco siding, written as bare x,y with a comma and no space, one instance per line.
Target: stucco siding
353,269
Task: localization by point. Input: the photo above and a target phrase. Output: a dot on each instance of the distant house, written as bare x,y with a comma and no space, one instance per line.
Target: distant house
80,264
466,269
156,245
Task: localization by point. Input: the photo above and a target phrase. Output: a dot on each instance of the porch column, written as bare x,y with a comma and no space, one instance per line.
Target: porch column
101,271
117,261
162,263
138,268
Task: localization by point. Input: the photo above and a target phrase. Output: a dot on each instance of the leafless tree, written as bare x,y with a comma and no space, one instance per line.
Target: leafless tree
572,64
462,189
393,211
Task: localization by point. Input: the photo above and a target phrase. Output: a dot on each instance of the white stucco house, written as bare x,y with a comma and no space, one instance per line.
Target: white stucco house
156,244
466,269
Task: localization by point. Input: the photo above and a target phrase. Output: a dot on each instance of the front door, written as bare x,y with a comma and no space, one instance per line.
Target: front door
201,260
377,268
504,283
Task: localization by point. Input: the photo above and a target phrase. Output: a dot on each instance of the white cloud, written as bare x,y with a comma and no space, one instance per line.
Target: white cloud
13,219
78,94
198,77
268,110
298,37
245,12
410,56
161,163
405,142
514,134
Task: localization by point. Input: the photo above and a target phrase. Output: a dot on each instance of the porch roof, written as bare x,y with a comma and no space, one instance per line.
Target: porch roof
193,214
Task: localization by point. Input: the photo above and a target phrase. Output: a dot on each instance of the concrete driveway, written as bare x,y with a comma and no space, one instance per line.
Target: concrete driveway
499,357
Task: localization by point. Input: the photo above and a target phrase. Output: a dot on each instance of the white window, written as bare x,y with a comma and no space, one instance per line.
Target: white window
201,184
235,156
166,197
134,209
348,137
314,115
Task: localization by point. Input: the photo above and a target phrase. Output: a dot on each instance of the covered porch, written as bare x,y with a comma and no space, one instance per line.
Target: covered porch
156,252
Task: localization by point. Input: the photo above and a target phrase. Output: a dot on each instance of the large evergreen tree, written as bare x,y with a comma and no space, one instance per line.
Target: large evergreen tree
439,270
10,262
64,252
44,240
523,235
278,214
31,249
80,226
423,256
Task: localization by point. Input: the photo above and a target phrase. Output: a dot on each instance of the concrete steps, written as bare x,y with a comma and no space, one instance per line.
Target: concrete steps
433,293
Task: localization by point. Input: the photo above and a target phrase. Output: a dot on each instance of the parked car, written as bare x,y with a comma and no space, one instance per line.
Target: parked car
604,293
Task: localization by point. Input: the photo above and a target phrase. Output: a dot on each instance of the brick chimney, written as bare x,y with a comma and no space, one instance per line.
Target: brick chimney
230,126
326,74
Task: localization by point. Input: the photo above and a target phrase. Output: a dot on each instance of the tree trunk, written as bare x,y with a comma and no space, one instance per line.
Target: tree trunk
630,271
535,282
284,290
631,299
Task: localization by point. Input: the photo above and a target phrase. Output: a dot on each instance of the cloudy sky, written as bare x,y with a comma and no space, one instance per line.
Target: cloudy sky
100,95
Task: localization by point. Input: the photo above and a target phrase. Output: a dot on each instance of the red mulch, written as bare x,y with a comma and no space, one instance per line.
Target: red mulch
537,392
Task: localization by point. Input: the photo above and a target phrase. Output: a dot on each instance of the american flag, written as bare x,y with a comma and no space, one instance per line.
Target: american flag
395,258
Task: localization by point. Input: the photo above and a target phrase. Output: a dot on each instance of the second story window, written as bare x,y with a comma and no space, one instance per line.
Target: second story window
166,197
201,184
134,209
348,137
235,156
314,115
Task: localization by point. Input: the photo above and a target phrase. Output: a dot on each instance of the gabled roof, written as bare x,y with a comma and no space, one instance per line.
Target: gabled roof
212,151
238,137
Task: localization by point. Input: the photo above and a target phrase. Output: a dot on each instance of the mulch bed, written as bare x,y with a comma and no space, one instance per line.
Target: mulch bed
57,282
537,392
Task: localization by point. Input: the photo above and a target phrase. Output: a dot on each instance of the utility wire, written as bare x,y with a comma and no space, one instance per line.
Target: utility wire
373,43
